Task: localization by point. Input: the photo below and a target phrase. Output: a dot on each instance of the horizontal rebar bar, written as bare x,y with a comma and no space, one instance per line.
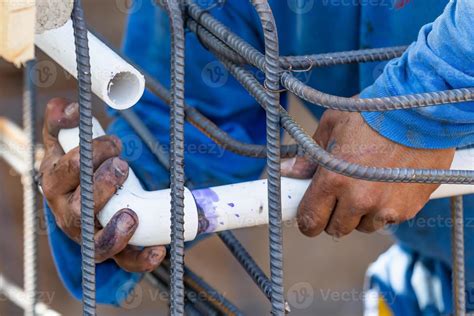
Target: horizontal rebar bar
332,163
308,62
254,57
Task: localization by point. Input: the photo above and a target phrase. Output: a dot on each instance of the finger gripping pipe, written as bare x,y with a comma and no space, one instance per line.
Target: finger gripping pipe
219,208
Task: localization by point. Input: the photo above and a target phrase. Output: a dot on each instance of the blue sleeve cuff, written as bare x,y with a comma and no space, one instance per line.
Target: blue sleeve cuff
113,285
412,129
440,59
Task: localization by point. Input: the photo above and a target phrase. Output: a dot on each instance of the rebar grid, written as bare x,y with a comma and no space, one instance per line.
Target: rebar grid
233,51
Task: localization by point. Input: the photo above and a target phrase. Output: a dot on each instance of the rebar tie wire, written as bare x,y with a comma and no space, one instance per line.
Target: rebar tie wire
85,152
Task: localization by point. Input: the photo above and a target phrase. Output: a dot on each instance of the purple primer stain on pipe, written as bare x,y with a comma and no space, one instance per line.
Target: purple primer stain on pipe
205,199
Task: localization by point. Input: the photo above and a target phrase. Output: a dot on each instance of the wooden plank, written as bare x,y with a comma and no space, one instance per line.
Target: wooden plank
17,30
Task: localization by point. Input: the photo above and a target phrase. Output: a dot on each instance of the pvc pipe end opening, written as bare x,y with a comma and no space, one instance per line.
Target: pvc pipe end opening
125,89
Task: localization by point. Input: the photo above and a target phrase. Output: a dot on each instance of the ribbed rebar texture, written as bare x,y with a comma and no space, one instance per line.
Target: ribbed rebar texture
146,135
459,282
312,95
177,157
308,62
247,262
409,101
332,163
219,136
30,211
205,125
217,300
272,102
85,153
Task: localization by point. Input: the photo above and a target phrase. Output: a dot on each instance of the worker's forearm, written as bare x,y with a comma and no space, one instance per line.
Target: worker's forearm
442,58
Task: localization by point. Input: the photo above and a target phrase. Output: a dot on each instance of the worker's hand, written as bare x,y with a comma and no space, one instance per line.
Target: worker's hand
339,204
60,183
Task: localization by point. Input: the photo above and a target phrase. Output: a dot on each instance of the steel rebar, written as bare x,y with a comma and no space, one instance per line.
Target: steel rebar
85,152
272,103
177,157
458,275
30,211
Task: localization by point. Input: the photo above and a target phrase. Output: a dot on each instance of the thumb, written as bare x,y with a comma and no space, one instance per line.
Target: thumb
60,113
302,167
298,167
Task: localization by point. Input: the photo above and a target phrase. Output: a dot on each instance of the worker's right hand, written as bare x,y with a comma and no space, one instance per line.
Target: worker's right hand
59,174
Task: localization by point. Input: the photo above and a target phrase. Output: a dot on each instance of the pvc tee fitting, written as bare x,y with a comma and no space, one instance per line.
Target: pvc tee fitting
219,208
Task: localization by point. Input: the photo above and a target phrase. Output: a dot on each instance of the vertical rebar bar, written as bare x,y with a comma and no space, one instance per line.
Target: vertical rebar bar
30,214
272,84
86,169
177,157
458,277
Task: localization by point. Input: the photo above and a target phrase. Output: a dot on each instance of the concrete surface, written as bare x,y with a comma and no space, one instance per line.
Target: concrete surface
323,276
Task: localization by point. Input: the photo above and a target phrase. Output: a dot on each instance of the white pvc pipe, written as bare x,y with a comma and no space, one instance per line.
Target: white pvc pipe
151,207
114,80
219,208
17,296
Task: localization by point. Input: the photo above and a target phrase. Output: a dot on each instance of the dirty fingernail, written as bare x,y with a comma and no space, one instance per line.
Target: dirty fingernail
120,166
71,109
126,222
157,256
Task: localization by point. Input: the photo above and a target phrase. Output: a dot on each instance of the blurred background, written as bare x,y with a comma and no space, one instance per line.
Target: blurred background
323,276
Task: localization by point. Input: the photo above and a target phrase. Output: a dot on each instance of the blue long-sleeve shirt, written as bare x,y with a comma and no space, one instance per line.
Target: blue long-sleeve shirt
442,58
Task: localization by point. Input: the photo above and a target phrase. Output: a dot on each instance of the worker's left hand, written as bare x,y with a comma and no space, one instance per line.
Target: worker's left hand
339,204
